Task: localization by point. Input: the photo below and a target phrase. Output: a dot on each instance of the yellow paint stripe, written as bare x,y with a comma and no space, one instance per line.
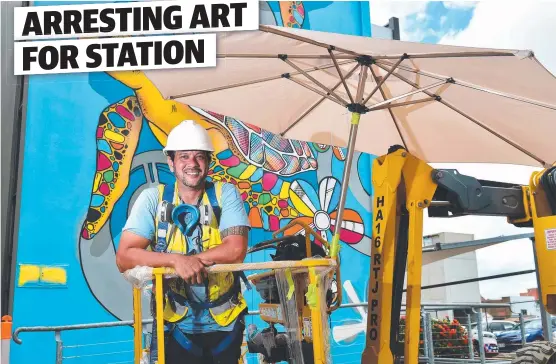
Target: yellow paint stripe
112,135
284,191
97,181
248,172
300,205
28,273
55,275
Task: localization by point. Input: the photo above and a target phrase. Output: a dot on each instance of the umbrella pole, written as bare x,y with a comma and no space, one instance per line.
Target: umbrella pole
356,110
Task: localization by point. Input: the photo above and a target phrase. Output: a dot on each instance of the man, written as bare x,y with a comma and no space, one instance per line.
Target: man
197,330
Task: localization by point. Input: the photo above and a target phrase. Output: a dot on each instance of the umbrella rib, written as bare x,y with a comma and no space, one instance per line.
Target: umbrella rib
312,107
405,103
422,89
311,88
450,55
478,88
379,84
267,29
390,110
296,67
271,55
247,83
472,119
340,74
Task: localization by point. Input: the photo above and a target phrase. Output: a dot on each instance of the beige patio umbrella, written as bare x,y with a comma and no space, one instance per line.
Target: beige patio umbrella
442,103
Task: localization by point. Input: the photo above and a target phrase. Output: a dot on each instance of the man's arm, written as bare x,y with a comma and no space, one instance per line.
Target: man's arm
132,252
234,230
137,235
233,248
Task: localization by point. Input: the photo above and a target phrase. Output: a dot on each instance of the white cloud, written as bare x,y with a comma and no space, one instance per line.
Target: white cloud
460,4
381,11
443,19
499,25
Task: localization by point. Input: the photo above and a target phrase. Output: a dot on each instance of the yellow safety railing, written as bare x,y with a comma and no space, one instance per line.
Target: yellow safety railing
159,273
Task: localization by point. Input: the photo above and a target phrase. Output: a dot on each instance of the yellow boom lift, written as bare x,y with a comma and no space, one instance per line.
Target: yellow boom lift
404,186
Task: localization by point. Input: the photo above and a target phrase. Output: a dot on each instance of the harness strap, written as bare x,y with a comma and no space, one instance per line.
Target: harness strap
211,194
196,350
161,243
186,343
228,339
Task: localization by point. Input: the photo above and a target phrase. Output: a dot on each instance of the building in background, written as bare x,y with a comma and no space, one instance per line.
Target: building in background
526,305
451,269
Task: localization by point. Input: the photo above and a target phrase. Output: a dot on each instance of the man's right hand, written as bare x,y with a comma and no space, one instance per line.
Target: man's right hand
190,268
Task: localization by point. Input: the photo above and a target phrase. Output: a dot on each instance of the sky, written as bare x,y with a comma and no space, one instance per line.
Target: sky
525,25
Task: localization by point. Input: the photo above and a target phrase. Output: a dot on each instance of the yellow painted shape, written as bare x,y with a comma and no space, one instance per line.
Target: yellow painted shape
56,275
31,273
28,273
284,191
97,181
300,205
293,213
112,135
248,172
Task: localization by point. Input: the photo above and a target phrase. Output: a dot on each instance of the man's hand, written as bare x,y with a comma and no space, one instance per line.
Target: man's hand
190,268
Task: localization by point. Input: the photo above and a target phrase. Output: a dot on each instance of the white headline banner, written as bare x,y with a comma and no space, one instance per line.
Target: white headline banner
134,18
122,54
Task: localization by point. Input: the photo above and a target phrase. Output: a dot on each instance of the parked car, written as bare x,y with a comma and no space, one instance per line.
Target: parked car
489,341
511,340
499,326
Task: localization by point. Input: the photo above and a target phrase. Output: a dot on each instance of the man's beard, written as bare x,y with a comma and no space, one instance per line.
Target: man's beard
198,185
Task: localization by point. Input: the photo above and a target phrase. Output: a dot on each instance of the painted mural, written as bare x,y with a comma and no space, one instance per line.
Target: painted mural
101,136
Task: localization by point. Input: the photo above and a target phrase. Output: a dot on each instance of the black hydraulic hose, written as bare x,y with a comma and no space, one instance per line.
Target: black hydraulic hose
400,262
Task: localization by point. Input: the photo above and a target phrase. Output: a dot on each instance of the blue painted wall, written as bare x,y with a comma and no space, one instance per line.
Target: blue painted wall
60,164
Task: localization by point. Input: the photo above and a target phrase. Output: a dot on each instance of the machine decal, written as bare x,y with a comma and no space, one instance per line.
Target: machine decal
376,266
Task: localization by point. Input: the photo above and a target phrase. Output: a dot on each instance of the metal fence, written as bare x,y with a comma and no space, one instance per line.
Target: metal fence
442,341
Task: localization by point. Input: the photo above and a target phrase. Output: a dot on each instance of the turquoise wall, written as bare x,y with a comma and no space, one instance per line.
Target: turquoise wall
61,157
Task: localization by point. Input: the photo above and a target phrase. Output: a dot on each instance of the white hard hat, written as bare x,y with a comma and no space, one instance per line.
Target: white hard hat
188,135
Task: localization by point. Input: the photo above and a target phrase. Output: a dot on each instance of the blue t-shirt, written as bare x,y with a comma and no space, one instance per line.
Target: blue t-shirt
141,221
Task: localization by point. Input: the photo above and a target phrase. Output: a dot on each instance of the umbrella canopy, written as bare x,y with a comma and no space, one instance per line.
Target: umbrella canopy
444,103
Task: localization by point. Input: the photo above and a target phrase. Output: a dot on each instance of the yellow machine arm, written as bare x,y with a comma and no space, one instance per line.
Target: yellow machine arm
403,187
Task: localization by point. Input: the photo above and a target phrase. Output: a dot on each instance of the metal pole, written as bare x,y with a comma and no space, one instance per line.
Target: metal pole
480,336
425,337
521,326
335,246
546,324
428,336
59,347
470,338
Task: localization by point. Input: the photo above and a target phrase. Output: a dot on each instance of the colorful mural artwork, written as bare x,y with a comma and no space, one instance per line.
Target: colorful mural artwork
118,123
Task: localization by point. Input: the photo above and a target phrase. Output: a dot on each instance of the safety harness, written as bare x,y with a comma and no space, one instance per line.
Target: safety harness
161,246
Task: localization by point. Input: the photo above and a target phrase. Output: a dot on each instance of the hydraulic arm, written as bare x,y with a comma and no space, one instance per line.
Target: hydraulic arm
403,188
